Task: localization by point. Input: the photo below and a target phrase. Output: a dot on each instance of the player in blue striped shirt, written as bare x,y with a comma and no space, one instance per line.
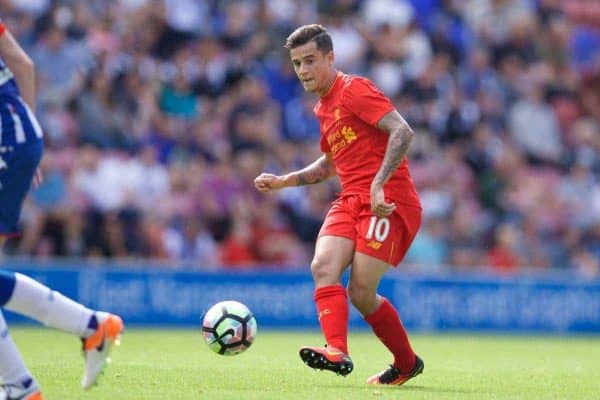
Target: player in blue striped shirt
21,147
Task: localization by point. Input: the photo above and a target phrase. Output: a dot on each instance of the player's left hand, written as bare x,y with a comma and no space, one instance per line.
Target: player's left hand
38,178
379,206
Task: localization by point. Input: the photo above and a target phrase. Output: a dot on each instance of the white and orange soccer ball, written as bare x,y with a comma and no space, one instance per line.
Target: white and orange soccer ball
229,328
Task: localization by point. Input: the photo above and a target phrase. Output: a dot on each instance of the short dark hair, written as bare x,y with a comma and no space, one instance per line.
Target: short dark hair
308,33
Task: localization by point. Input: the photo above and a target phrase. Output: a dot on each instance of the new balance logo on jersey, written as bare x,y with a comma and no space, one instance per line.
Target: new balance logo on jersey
374,245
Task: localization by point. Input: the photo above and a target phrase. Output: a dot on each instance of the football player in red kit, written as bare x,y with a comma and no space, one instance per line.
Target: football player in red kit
371,225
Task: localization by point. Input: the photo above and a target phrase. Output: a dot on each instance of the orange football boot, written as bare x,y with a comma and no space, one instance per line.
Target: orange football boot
392,376
326,359
96,348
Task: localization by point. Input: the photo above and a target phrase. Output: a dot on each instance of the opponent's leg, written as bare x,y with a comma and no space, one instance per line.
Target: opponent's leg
34,300
97,346
16,381
98,330
365,276
332,256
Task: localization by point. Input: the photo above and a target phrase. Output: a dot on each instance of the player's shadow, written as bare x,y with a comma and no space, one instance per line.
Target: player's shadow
435,389
411,388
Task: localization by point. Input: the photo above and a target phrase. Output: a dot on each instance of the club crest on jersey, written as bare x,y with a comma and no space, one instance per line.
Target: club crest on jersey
323,313
341,138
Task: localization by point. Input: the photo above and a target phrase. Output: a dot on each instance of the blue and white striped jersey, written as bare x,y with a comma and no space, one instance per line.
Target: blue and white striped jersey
8,85
17,123
21,149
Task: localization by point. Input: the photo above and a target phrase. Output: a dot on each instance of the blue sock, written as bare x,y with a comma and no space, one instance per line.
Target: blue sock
27,382
93,324
91,327
7,285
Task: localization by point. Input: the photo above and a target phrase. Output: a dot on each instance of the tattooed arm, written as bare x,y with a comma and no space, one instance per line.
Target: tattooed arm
316,172
400,137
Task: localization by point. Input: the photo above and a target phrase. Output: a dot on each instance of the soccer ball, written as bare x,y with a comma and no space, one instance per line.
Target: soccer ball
229,328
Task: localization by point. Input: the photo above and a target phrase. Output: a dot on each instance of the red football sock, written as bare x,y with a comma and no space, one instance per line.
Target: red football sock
332,305
387,326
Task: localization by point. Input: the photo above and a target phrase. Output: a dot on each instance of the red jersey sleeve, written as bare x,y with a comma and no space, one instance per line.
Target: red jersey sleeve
366,101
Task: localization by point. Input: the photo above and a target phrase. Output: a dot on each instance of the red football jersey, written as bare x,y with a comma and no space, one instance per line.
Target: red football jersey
348,115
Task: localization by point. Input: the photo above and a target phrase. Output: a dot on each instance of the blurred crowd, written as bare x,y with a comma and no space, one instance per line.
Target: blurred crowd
159,114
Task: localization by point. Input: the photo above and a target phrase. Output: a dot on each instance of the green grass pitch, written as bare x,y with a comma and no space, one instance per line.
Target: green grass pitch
176,364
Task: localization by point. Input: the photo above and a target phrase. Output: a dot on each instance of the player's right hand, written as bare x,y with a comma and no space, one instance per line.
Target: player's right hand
267,182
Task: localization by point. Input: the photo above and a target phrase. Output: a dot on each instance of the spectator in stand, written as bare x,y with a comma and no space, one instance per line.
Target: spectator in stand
156,112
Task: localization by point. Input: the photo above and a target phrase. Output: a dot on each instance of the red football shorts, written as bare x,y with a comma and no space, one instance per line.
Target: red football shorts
387,238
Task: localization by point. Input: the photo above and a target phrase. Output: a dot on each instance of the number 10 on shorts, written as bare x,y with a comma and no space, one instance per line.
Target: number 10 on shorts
378,227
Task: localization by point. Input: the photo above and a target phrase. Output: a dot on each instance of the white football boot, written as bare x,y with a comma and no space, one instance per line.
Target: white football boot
96,348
